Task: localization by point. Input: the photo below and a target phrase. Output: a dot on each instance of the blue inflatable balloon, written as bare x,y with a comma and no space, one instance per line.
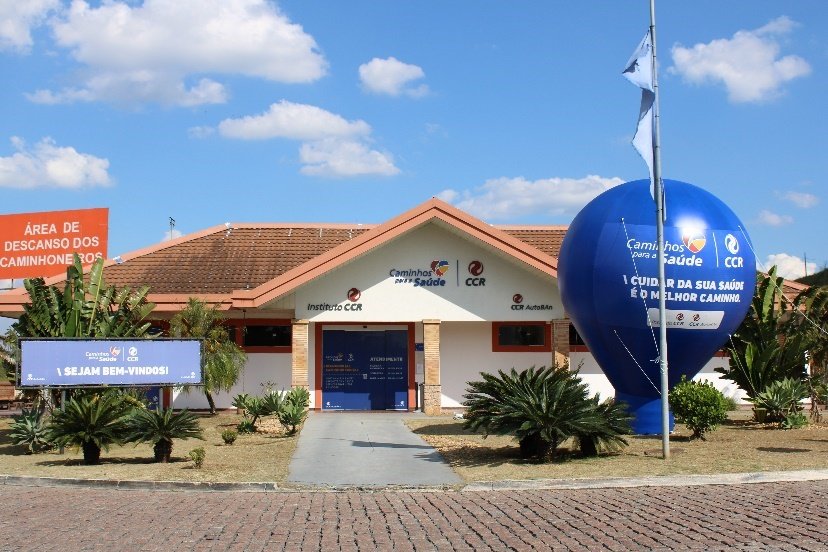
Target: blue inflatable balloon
608,278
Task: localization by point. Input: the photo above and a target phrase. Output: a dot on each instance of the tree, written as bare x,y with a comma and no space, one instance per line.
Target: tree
85,308
767,347
223,359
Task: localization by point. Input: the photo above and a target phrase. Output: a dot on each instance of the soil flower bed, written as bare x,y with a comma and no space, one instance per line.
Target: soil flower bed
740,445
261,457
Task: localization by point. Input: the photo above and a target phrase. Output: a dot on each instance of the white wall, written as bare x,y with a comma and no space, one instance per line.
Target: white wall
592,374
385,298
466,350
260,368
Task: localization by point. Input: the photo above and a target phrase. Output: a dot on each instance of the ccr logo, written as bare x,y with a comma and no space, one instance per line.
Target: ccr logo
732,246
694,242
475,269
353,295
133,353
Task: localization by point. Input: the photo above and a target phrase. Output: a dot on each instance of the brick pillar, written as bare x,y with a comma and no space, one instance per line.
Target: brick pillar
560,341
299,357
431,354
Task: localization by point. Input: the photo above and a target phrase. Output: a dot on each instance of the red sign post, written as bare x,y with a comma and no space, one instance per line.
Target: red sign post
42,244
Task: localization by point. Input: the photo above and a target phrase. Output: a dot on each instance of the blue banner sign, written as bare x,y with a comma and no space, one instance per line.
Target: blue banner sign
76,362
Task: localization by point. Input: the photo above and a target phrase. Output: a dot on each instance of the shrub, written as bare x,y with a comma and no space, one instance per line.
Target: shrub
541,408
229,436
294,409
781,398
161,428
92,422
197,455
28,429
698,405
794,420
246,426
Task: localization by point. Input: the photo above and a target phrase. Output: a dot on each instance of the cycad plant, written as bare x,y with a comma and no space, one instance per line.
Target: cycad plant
160,428
609,435
91,422
541,408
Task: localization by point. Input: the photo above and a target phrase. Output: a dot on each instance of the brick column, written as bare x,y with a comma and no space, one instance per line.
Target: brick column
299,357
431,354
560,341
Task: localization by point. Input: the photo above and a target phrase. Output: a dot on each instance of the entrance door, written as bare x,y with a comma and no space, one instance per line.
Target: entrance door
365,370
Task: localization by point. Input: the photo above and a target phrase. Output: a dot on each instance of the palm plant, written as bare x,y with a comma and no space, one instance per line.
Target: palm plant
160,428
28,429
542,408
767,347
92,422
223,359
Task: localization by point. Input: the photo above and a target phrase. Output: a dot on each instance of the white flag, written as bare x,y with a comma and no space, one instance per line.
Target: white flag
639,71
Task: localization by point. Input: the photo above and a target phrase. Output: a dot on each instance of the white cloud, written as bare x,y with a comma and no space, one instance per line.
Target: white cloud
293,121
344,158
772,219
171,235
154,52
332,145
788,266
748,64
201,131
504,198
802,200
49,165
18,18
392,77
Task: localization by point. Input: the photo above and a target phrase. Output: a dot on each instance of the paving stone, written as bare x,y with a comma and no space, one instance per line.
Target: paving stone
779,516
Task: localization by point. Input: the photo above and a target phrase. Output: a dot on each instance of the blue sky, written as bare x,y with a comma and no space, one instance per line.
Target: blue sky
253,111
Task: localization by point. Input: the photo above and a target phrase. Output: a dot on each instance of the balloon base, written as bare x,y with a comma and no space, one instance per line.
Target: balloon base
646,413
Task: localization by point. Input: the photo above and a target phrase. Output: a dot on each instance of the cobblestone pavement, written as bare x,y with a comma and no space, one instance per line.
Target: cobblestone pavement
768,516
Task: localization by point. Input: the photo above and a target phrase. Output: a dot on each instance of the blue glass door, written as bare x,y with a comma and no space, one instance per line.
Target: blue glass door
365,370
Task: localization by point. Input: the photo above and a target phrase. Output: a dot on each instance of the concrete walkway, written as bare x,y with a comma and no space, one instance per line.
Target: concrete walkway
371,449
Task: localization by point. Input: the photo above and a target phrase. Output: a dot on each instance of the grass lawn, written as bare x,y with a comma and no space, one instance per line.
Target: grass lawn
261,457
738,446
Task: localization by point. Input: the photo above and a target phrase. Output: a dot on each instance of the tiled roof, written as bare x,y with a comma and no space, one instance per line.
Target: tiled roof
222,261
546,238
250,255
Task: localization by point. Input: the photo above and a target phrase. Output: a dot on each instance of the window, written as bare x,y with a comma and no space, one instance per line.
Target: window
267,336
576,342
262,336
533,337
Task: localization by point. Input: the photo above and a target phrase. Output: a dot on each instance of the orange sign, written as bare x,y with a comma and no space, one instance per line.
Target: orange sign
41,244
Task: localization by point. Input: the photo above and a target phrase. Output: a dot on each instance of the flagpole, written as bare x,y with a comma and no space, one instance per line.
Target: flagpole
658,191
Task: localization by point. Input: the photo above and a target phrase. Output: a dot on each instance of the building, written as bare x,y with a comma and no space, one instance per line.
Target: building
385,317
